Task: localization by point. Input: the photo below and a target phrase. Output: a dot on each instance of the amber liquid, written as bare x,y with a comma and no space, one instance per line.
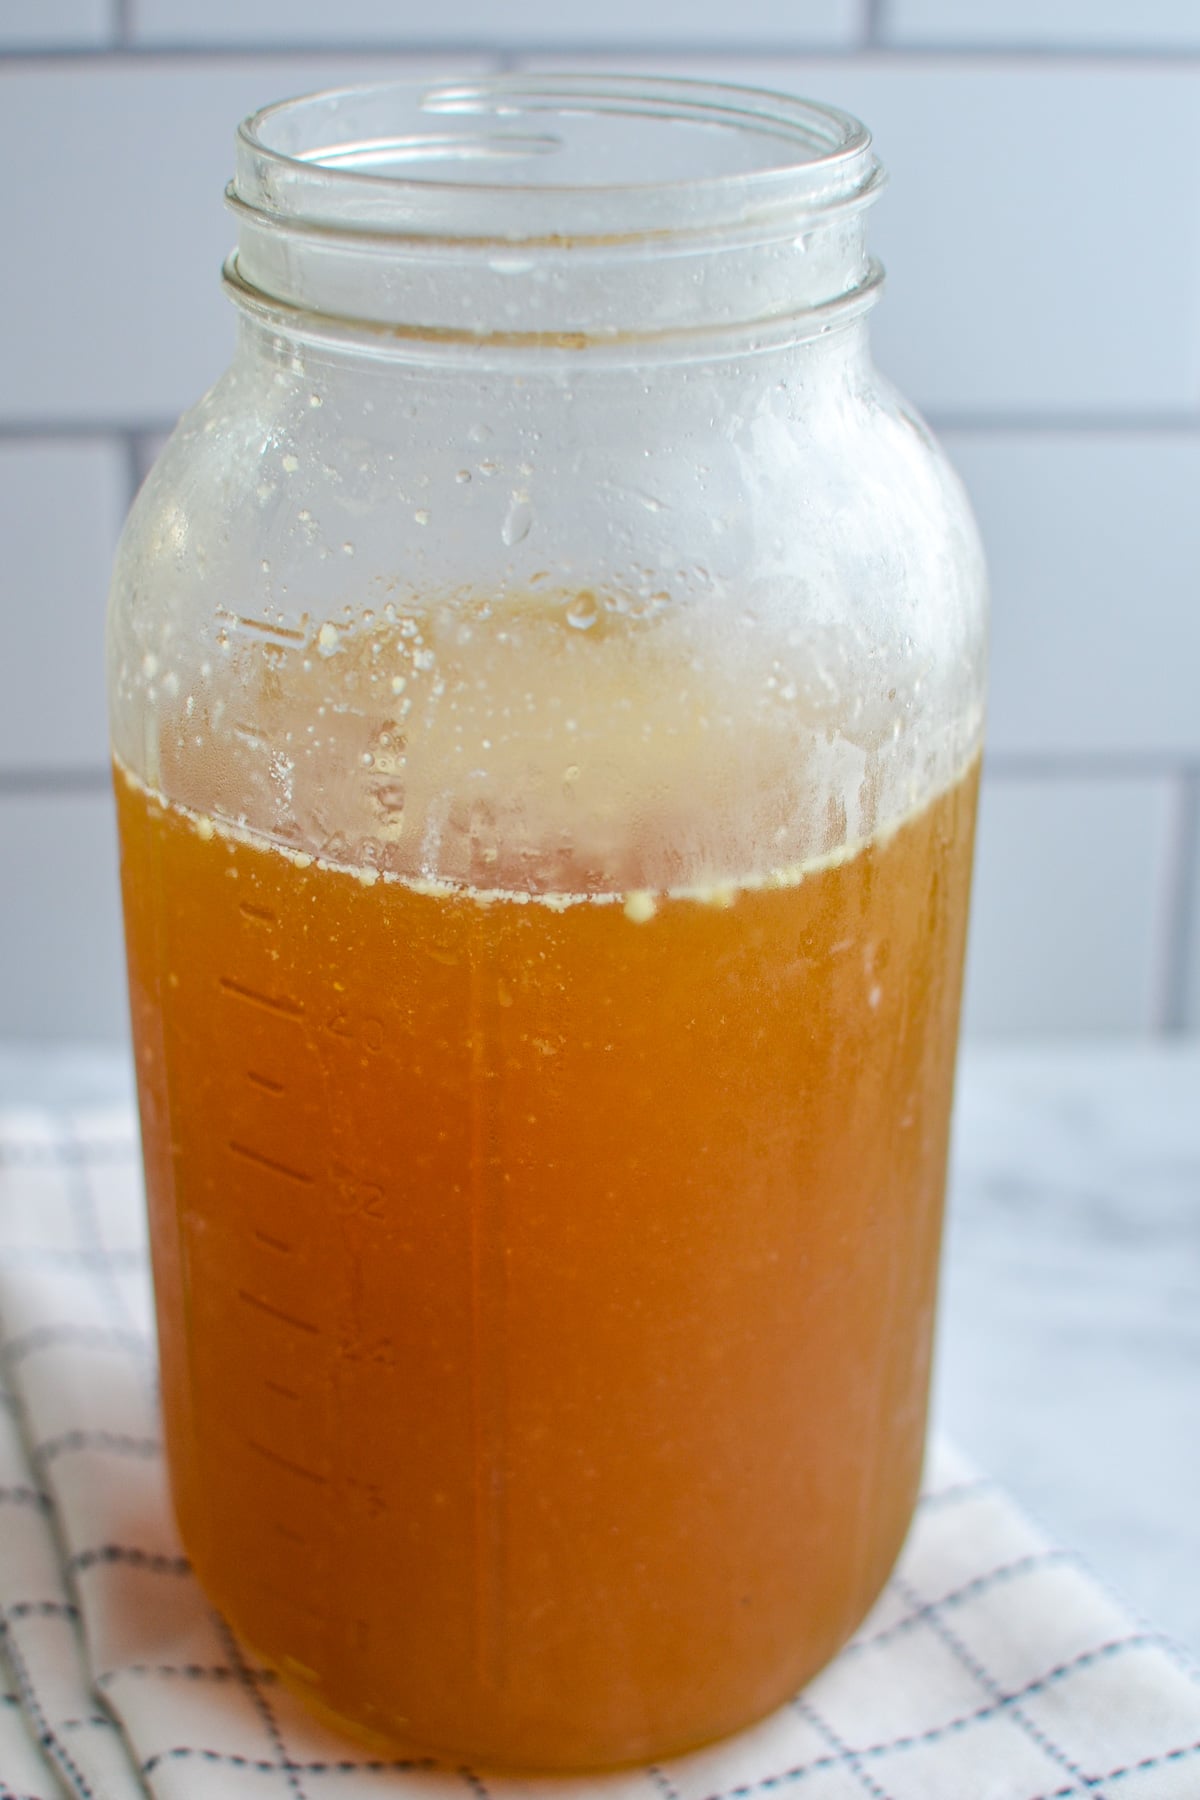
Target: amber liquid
545,1293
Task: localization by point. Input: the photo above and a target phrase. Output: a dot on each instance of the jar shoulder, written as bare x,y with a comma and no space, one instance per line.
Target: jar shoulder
283,486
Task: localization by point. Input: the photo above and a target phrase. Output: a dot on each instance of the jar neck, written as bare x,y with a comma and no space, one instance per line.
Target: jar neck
772,247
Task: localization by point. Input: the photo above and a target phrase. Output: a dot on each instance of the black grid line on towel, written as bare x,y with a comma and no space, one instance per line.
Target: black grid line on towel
974,1667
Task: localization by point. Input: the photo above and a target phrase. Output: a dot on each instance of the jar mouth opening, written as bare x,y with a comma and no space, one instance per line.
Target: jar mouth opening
550,158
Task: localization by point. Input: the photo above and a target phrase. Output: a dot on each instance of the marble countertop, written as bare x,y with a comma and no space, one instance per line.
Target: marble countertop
1069,1355
1069,1359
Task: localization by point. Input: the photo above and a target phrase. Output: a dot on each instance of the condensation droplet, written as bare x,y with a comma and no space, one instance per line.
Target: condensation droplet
422,515
518,521
290,464
463,476
583,611
347,549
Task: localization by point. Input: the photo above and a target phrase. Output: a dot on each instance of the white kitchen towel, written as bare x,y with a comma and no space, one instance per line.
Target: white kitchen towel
993,1668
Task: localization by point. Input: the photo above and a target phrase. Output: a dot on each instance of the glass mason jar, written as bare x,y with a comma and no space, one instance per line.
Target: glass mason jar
547,686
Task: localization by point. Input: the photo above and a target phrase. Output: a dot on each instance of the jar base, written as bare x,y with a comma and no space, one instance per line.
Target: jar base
391,1742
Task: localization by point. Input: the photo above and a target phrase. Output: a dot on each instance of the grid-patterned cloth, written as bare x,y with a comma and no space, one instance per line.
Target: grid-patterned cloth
993,1668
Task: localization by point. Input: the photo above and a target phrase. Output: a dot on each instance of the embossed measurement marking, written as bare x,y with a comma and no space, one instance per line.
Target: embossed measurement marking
293,1537
285,1462
262,915
249,1154
273,1243
277,1312
266,1082
265,625
276,1003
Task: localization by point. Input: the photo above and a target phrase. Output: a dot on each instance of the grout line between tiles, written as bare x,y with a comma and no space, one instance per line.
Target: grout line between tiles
1140,56
1183,423
132,445
63,430
874,23
940,419
23,784
1182,928
1089,765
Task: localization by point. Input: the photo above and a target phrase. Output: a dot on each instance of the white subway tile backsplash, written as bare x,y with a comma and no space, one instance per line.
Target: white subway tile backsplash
118,227
1072,24
55,24
1039,259
481,22
1044,270
1069,906
62,972
61,506
1042,254
1039,230
1093,546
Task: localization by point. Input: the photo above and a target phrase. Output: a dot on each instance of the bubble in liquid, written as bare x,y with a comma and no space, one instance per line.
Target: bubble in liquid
583,611
518,521
389,797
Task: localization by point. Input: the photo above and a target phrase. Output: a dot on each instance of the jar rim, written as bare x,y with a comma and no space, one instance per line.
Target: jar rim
369,159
